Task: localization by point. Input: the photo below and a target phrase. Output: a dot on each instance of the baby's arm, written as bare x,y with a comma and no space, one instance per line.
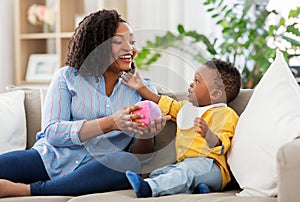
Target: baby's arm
204,130
135,81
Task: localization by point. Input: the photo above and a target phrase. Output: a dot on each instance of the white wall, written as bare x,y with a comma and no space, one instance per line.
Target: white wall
6,43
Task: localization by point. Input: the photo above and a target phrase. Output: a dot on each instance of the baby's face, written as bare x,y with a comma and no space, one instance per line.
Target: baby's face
199,92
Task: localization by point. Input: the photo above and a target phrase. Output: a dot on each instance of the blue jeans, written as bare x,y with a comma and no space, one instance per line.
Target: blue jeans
26,166
185,176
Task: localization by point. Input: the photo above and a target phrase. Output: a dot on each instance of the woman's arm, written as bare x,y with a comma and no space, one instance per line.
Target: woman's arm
58,126
120,120
93,128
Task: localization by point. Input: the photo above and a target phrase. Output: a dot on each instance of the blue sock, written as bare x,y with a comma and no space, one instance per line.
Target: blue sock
139,185
203,188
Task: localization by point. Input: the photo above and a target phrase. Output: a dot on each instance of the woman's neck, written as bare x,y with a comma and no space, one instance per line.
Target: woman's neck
111,78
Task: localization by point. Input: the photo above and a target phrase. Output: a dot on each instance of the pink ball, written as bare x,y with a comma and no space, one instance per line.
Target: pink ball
149,109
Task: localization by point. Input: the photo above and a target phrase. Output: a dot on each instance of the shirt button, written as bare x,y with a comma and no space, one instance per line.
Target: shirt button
107,105
179,150
76,162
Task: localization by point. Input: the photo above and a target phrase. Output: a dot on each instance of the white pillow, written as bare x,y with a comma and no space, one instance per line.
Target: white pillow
12,121
271,119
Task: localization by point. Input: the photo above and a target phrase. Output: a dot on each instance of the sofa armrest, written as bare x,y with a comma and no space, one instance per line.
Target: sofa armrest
288,168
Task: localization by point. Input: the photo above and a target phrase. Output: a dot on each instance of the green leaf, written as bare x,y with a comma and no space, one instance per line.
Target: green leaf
222,10
260,21
292,41
293,29
281,21
271,30
215,15
144,53
150,44
206,2
210,9
219,22
141,57
228,12
226,30
200,37
294,13
180,29
153,58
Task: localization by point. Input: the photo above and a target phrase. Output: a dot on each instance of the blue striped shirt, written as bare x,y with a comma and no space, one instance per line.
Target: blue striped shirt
70,101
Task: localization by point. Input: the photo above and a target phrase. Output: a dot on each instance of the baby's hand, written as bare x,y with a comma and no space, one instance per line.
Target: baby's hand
202,127
155,127
133,80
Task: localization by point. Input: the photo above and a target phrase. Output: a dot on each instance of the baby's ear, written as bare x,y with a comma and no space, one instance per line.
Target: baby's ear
216,95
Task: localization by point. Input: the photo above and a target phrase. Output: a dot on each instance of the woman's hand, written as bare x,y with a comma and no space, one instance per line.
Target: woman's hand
133,80
123,119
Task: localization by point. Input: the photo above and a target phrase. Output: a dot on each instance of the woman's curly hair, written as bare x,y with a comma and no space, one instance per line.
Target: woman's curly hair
89,49
229,78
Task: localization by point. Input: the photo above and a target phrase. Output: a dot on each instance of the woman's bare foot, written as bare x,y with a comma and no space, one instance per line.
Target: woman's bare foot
8,188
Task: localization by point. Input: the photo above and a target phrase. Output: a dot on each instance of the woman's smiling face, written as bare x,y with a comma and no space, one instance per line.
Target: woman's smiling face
123,48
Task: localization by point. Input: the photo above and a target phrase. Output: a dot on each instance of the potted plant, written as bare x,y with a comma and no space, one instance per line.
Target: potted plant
248,41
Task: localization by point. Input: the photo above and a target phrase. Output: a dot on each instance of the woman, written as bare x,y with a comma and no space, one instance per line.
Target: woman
87,137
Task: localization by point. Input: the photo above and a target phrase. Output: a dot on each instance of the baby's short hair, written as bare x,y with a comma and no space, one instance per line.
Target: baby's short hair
230,77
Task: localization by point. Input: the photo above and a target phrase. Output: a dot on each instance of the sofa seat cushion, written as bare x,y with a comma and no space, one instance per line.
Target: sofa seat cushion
37,199
128,195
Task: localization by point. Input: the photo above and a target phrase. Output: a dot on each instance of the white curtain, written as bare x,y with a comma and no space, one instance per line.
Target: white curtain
7,43
149,18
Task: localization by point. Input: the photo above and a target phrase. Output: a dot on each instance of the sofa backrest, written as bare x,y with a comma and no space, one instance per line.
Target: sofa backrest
33,115
240,102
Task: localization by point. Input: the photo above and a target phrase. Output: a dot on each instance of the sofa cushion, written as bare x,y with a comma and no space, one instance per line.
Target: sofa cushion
12,121
32,110
270,120
128,195
37,199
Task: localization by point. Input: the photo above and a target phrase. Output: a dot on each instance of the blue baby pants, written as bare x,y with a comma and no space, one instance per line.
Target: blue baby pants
184,177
